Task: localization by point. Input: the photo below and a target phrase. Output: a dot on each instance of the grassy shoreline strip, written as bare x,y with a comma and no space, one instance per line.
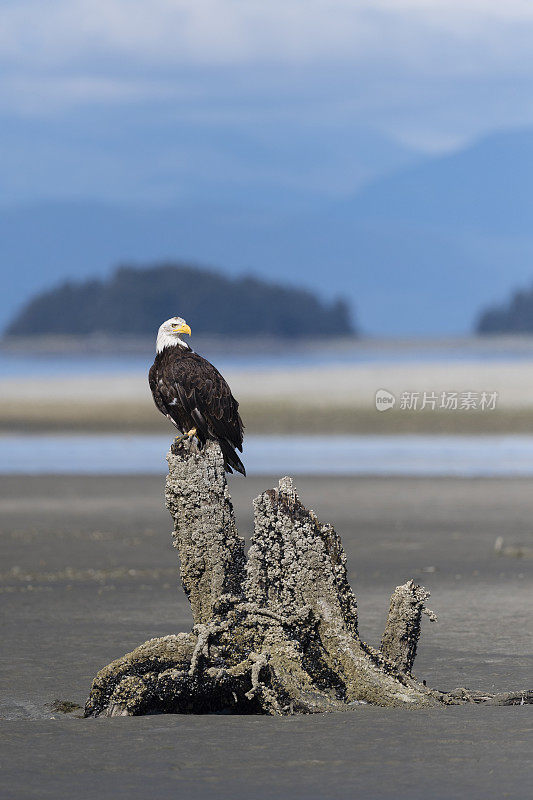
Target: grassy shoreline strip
265,418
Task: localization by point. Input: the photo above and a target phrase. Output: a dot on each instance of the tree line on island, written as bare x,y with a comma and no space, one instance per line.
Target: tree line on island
513,316
136,300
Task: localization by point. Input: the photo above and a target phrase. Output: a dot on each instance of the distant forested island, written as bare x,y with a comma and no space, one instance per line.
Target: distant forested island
135,300
513,316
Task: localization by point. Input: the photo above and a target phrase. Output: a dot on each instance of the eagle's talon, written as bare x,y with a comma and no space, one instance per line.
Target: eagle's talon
188,435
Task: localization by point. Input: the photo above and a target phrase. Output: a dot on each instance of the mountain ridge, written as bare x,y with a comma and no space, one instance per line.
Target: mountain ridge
419,252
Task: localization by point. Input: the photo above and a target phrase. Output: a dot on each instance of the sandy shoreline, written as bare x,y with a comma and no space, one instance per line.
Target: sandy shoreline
340,385
338,399
89,573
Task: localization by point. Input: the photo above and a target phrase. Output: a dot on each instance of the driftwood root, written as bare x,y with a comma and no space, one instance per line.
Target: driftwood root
274,632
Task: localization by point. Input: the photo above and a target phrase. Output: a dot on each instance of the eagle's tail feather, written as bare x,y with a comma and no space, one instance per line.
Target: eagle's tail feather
231,459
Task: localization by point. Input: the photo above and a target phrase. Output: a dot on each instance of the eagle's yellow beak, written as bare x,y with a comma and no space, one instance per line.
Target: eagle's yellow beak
183,328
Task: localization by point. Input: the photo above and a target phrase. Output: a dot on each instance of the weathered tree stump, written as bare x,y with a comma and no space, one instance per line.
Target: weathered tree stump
274,633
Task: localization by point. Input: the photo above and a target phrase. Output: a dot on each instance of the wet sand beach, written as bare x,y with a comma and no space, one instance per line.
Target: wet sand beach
88,573
328,398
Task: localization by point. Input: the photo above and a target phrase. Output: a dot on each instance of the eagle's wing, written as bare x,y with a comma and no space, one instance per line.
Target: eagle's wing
203,392
152,382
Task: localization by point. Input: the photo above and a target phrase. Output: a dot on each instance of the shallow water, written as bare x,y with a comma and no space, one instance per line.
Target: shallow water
469,456
279,355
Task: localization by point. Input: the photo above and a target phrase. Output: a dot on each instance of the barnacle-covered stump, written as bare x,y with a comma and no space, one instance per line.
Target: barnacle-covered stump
274,633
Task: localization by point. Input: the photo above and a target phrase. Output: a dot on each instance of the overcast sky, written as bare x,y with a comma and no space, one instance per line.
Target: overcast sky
431,74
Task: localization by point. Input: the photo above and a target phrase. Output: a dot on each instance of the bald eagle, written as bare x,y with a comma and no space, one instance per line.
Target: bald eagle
194,396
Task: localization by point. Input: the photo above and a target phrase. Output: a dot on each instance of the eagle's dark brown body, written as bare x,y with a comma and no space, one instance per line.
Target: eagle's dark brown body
192,393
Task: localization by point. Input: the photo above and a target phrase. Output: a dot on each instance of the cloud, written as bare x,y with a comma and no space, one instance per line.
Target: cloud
31,94
429,72
211,32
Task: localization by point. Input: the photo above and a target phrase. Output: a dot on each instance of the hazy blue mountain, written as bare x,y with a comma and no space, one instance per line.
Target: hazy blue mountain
242,184
486,187
139,155
417,252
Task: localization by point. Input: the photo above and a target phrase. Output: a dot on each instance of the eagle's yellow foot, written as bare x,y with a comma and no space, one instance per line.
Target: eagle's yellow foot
187,435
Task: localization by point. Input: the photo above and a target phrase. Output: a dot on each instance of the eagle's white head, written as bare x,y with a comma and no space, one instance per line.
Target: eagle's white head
169,333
